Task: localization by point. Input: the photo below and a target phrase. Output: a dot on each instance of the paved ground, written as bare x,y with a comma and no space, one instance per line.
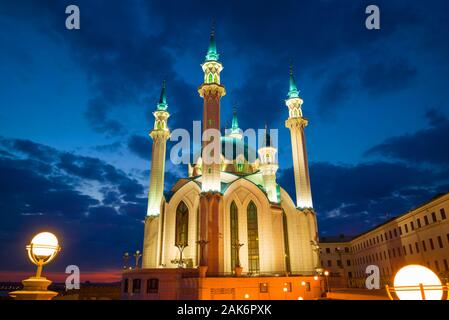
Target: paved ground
357,294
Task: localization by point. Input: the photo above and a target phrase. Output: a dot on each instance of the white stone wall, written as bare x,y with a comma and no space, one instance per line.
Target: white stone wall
301,230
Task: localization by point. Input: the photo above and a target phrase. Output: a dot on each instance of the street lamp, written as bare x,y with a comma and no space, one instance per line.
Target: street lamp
42,250
415,282
137,256
125,260
326,274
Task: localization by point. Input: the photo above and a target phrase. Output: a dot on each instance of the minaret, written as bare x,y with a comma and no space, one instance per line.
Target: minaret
296,123
160,135
211,91
268,167
211,199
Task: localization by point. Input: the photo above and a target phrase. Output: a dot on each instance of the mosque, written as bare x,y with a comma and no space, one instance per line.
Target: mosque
228,230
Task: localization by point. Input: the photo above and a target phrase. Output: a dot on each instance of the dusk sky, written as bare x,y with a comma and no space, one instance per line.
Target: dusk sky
76,110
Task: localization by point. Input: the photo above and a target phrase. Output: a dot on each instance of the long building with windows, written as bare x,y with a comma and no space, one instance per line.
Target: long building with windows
420,236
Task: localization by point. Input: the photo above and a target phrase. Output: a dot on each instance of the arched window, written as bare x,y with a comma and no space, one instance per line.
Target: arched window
215,78
211,78
182,224
253,238
234,234
286,245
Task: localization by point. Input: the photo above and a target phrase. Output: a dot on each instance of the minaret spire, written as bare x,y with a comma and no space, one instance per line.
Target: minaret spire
162,105
235,122
236,132
212,54
293,91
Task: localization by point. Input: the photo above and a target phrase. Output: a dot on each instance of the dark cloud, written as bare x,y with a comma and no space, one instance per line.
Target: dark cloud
127,50
384,77
336,89
430,145
351,199
43,188
140,146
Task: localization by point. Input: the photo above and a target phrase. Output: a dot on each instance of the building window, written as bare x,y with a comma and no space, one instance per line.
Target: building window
434,217
307,286
348,262
443,214
405,250
440,242
410,248
328,250
253,239
287,287
136,285
400,231
426,220
234,234
446,266
286,244
182,225
412,225
431,244
339,263
419,223
263,287
391,236
417,247
346,249
329,263
125,286
406,228
424,245
399,251
152,285
395,232
349,274
382,237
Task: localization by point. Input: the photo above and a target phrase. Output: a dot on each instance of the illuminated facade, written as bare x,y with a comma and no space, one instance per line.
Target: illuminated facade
420,236
228,216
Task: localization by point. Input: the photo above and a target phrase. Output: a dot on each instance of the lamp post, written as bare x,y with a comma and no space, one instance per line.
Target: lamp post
238,268
137,256
125,260
181,246
42,250
326,274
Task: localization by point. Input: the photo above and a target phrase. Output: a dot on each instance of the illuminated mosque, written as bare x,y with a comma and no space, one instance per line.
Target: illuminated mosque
227,218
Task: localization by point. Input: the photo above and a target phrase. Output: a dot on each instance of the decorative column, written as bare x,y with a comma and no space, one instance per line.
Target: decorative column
296,123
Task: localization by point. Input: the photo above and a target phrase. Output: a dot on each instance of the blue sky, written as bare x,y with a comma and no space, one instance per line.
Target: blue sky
76,108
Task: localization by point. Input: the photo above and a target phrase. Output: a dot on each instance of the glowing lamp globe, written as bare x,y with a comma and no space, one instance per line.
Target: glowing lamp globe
43,248
44,245
413,280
